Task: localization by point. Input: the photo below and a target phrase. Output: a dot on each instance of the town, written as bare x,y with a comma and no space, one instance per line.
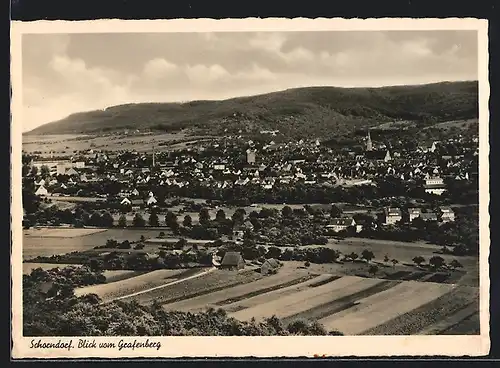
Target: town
386,187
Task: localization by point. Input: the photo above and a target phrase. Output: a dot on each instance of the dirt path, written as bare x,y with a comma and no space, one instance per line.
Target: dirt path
164,285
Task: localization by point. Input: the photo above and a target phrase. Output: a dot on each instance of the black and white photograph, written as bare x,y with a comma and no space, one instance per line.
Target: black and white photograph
250,181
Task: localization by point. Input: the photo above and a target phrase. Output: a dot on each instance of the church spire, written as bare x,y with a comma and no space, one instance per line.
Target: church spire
369,145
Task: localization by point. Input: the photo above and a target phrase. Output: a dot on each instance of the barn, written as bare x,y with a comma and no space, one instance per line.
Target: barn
233,261
269,265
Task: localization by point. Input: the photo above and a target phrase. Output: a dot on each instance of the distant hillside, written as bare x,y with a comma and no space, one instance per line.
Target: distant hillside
318,111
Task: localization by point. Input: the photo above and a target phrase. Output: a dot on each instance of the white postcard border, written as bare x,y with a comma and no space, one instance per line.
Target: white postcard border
290,346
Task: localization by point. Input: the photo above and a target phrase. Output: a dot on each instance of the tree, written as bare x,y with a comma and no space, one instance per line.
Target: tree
239,216
418,260
287,212
367,255
335,211
394,262
138,221
122,221
455,264
142,239
44,171
436,262
181,243
153,219
373,270
34,170
204,216
95,219
107,219
220,216
188,221
171,219
273,252
307,263
161,234
95,265
386,258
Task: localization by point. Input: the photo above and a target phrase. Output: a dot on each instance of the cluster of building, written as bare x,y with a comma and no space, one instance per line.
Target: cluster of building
231,162
393,216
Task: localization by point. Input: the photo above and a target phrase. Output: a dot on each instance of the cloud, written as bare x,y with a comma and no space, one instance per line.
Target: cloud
63,74
159,68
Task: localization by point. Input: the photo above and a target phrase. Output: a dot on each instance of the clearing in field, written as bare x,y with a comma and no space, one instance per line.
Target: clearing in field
61,232
117,289
384,306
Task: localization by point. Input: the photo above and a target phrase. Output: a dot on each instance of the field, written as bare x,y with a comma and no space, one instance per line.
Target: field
67,240
351,304
61,232
65,144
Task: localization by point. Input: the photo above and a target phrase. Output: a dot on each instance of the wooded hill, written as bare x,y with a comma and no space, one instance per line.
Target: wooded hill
299,112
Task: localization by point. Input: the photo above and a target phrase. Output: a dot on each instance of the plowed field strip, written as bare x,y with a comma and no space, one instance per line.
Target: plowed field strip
305,299
196,286
203,292
215,298
272,295
414,276
343,303
450,321
384,306
418,319
325,281
266,290
469,326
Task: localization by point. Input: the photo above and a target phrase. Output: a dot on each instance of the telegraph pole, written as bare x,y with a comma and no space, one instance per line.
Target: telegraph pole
153,155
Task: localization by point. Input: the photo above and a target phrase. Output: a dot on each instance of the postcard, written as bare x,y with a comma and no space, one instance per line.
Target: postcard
250,188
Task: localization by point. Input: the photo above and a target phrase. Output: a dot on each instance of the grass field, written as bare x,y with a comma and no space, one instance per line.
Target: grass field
60,232
43,245
65,144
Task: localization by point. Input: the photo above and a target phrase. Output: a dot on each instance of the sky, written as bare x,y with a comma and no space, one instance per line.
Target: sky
68,73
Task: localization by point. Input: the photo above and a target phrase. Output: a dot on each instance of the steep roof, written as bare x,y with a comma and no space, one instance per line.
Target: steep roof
232,259
428,216
271,262
342,221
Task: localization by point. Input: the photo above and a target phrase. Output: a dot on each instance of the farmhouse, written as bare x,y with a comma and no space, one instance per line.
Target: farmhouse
125,202
269,266
434,186
447,214
41,191
250,156
341,224
429,216
414,213
233,261
392,215
384,156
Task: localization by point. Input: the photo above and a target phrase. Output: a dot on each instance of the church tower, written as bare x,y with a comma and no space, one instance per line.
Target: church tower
369,145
